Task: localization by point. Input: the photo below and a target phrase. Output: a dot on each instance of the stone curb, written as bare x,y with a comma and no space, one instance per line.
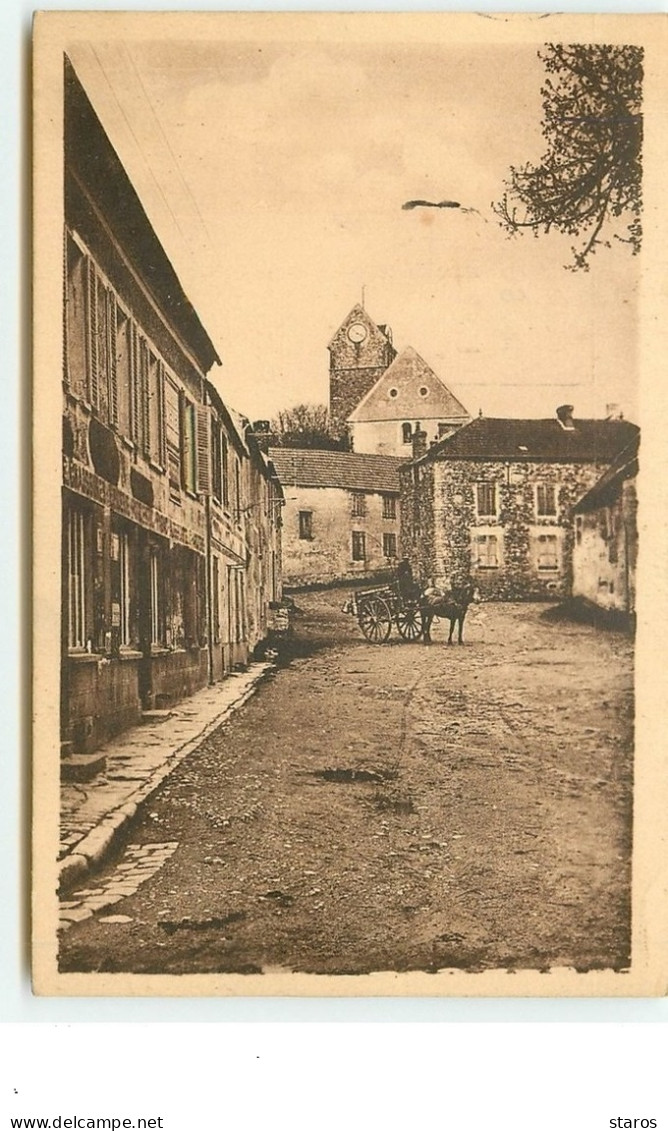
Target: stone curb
93,850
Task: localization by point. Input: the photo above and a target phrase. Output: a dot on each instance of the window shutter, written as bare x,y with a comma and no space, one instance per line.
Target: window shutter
66,364
145,406
91,289
113,359
203,450
162,377
134,383
182,436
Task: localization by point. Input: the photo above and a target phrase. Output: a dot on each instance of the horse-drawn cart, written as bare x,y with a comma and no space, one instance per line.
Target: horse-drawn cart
397,603
412,610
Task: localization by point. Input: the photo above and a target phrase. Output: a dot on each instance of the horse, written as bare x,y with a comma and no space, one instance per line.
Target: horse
450,605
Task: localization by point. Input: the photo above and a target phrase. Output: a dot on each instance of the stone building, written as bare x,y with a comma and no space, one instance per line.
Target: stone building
408,397
605,550
341,515
170,515
359,353
495,501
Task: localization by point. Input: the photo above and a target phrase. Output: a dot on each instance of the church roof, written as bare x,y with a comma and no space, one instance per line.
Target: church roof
409,389
352,471
359,314
588,441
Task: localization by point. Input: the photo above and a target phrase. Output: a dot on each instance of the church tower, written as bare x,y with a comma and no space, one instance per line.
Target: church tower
359,353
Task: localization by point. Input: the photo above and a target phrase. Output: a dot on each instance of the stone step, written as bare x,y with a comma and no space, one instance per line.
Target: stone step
82,767
155,716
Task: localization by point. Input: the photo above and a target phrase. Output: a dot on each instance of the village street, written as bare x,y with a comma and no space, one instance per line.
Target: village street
390,807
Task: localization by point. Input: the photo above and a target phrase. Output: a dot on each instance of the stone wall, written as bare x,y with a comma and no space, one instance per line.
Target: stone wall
103,699
441,524
346,389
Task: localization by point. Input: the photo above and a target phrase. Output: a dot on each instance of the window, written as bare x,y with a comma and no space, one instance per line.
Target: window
237,490
424,391
407,432
547,556
121,573
173,437
77,579
393,393
156,409
443,429
359,546
155,602
75,337
486,498
215,600
546,499
123,372
188,446
216,478
306,525
390,545
358,504
486,551
224,472
389,506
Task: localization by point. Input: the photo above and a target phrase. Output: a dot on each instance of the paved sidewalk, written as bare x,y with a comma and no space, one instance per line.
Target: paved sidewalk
93,814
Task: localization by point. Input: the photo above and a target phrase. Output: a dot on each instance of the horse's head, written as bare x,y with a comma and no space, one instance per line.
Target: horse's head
467,593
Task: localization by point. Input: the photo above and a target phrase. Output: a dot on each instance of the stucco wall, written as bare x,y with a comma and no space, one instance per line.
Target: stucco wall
384,437
327,556
604,553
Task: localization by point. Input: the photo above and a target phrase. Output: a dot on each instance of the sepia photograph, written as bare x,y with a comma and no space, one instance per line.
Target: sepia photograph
345,393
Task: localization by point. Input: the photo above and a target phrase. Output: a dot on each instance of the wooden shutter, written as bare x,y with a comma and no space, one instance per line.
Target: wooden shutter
66,366
113,357
162,440
134,385
144,392
93,364
203,464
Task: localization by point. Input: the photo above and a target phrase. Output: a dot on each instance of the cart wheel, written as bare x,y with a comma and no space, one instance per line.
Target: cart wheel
409,623
375,620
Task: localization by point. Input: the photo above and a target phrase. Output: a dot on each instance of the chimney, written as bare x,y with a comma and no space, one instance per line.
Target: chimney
419,439
565,417
613,412
261,430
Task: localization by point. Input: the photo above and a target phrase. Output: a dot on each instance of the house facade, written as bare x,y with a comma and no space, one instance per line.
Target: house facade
408,397
495,502
169,518
341,518
605,549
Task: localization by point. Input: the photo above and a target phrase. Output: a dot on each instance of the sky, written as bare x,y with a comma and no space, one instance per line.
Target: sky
274,173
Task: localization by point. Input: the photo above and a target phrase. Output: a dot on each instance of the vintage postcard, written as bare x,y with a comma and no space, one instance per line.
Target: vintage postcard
349,504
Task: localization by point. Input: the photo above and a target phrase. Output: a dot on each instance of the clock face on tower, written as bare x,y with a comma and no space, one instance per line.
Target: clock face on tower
357,332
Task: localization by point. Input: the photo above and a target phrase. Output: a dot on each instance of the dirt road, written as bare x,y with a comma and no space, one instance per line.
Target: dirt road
393,807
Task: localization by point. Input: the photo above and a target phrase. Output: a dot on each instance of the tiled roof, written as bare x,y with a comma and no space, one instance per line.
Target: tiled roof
589,441
396,394
353,471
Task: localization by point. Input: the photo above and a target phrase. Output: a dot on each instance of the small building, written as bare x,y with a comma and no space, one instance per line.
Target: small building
606,538
408,397
495,501
341,516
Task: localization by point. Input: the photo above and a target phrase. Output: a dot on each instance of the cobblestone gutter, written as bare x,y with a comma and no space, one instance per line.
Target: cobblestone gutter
95,814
